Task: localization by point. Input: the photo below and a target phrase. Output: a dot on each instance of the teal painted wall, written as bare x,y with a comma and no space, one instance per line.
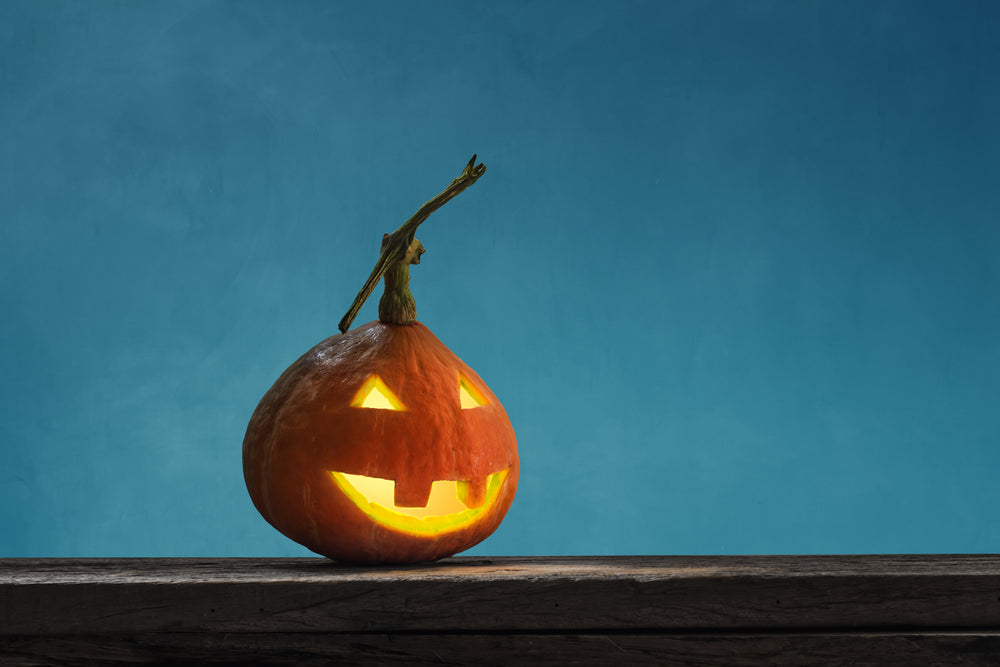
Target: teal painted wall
734,269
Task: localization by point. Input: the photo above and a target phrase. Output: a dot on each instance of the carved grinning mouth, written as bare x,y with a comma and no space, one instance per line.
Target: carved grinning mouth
446,509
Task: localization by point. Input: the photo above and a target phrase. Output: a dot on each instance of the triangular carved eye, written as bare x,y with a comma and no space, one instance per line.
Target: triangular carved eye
469,395
375,394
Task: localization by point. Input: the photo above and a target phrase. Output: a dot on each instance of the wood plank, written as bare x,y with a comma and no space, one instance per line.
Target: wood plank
569,595
303,649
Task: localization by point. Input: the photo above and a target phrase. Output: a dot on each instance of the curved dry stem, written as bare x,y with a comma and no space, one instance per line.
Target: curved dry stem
395,245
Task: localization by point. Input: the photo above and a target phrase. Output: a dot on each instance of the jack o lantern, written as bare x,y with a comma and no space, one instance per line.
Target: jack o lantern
379,445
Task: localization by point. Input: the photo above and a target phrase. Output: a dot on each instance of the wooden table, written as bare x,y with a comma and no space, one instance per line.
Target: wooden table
698,610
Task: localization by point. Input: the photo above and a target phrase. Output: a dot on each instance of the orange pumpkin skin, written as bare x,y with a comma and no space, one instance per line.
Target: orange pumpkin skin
305,428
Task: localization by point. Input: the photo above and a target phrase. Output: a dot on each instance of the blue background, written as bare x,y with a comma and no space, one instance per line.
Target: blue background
734,268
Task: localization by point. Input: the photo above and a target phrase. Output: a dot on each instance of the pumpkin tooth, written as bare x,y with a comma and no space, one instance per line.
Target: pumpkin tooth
473,492
411,493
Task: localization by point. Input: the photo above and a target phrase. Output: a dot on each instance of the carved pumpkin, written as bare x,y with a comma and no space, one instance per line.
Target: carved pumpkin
380,445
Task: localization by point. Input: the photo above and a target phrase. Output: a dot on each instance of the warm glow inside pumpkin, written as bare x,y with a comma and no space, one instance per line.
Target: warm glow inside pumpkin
375,395
446,509
449,506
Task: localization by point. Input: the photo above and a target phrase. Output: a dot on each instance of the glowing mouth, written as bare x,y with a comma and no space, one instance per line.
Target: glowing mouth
444,512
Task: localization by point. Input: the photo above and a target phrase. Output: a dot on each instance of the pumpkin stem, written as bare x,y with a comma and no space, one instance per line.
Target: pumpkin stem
397,305
399,250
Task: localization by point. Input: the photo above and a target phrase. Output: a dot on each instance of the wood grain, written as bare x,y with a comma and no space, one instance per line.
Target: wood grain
695,609
495,649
